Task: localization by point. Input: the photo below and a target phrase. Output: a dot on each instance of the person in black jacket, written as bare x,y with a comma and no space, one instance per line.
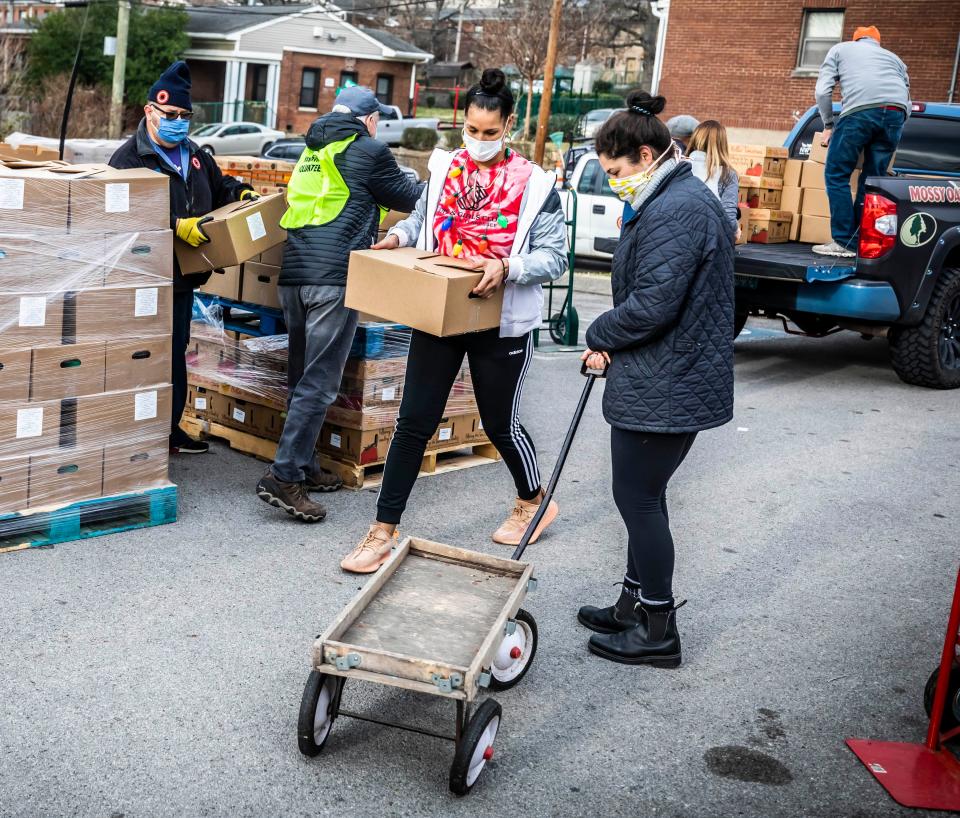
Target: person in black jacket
669,344
342,180
196,187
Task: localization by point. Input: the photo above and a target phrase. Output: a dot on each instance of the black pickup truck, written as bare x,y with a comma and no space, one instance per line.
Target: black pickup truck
905,282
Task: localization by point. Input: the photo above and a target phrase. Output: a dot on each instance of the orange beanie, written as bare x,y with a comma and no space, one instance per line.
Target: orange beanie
867,31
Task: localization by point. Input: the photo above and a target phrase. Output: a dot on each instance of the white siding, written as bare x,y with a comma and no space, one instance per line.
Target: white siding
297,33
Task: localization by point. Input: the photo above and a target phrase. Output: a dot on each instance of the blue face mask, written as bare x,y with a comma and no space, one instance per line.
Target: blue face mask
173,131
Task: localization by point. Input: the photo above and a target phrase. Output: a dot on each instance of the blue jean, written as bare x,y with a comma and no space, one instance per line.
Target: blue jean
875,132
320,331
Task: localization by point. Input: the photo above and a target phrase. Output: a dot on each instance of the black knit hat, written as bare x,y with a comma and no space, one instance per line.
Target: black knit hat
173,87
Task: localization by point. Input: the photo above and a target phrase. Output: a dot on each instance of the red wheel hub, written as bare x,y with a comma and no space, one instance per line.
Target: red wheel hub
515,653
488,753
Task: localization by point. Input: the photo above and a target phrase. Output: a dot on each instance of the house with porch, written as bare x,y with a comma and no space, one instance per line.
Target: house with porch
282,65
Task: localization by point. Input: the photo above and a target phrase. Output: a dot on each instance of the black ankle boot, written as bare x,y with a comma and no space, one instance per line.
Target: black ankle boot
655,641
614,619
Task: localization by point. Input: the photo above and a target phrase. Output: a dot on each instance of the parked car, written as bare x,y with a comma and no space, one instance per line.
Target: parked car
289,150
237,138
904,284
599,210
393,125
590,122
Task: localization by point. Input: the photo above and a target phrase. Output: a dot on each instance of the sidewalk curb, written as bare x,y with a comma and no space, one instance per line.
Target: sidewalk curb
592,284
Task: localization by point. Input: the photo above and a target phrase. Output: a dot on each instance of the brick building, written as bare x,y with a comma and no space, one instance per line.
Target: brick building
282,65
754,64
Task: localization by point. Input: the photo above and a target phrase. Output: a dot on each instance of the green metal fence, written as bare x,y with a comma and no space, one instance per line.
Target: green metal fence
573,105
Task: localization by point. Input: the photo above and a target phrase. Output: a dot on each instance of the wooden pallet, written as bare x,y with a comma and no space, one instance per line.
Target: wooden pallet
438,461
88,518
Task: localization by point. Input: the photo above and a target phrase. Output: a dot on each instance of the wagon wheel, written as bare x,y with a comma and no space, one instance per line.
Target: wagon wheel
475,748
515,654
564,324
951,711
318,710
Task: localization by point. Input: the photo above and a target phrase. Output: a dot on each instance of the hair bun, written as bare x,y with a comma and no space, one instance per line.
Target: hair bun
493,81
641,99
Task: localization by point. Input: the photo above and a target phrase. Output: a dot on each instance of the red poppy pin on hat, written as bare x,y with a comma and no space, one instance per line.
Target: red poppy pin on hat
162,97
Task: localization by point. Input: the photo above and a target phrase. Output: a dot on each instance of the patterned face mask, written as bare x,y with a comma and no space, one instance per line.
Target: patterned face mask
629,188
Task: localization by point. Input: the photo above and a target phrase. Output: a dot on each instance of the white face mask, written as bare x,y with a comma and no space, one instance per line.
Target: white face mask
482,150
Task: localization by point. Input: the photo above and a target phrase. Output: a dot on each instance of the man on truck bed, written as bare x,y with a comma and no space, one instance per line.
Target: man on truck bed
875,92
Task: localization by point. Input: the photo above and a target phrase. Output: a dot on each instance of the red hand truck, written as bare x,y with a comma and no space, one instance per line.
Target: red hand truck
925,776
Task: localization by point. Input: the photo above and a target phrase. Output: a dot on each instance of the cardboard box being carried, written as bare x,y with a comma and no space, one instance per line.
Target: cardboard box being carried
759,160
238,232
422,290
769,226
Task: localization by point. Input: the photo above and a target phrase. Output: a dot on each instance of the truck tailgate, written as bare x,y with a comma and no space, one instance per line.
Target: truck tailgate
790,261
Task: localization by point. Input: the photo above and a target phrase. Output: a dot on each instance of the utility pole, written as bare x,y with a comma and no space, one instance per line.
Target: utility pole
119,69
456,50
549,70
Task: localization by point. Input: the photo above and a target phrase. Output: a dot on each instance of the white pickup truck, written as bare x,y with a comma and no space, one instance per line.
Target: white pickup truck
599,210
393,125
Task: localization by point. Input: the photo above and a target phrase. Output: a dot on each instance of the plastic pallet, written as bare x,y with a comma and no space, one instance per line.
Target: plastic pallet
88,518
249,319
374,341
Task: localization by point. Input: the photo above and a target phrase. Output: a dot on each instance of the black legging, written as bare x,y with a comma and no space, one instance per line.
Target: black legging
643,464
498,367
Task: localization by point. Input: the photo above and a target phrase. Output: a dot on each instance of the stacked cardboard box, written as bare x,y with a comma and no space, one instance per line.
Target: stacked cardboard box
266,175
242,384
86,261
761,169
253,282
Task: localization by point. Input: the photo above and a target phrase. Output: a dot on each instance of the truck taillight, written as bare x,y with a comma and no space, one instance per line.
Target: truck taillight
878,227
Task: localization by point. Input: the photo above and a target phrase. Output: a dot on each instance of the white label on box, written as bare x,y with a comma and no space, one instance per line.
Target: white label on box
390,393
335,441
33,311
255,226
11,194
446,434
239,415
145,302
145,405
116,197
30,422
200,403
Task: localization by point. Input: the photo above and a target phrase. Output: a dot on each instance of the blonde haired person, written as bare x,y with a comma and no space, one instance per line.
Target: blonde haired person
709,153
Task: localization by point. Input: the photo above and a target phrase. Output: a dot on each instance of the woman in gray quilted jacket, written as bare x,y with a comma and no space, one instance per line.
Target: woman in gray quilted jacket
669,344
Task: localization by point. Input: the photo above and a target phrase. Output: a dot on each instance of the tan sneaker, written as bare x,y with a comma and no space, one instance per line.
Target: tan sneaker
513,528
372,552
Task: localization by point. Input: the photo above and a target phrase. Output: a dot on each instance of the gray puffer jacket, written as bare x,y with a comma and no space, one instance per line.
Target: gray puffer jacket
320,253
670,333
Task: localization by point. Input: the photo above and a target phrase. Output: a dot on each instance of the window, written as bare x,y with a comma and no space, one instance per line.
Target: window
258,82
309,86
820,32
234,130
348,78
385,88
388,117
594,180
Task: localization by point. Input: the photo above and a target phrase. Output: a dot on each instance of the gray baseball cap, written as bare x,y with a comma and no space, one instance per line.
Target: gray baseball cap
361,101
682,125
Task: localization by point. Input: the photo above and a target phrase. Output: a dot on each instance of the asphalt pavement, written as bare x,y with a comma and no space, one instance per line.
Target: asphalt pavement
159,672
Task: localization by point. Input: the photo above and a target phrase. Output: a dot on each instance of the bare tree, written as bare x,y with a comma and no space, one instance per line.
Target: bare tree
613,24
520,40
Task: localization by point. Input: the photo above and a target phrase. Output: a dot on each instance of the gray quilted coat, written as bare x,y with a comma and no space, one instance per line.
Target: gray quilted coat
670,331
319,254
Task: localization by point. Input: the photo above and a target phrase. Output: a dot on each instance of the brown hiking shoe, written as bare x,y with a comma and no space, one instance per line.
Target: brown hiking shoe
291,497
372,552
326,481
514,527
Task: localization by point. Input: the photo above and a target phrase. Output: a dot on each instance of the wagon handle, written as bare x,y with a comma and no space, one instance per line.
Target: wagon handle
591,375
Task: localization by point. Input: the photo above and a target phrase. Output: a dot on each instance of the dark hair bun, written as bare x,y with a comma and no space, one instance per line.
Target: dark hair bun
642,99
493,81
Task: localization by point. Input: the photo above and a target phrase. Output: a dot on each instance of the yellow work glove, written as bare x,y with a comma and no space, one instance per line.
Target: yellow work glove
249,194
191,230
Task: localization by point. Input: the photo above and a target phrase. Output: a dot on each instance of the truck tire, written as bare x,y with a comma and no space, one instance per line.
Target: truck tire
739,321
929,353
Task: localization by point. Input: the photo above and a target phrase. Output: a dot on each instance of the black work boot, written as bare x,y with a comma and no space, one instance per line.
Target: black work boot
291,497
618,617
655,641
